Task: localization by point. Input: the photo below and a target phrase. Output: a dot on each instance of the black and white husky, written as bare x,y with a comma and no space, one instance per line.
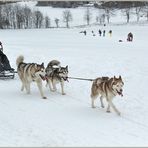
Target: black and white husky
29,72
56,74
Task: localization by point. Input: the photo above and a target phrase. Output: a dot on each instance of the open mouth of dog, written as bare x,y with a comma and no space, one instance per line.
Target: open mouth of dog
43,77
65,79
120,93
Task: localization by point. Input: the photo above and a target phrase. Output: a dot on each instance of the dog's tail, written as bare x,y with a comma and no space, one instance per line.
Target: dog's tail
19,60
54,64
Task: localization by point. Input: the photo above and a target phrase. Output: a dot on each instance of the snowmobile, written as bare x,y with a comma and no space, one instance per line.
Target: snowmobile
6,71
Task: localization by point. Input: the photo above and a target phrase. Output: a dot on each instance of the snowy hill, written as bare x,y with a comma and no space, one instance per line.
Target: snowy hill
28,120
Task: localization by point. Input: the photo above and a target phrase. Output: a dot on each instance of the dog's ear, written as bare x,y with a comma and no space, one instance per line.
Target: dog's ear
114,77
36,66
120,77
67,67
42,64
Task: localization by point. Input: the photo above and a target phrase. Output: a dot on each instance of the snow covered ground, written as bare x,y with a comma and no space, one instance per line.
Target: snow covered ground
28,120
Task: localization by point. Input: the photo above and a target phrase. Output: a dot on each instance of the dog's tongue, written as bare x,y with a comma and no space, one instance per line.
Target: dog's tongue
46,78
43,78
121,94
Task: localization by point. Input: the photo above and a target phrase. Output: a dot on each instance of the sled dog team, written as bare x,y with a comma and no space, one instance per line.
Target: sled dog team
54,73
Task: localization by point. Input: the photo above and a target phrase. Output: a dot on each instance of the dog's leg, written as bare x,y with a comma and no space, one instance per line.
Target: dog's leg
23,86
113,106
108,108
28,87
101,100
93,102
62,87
39,84
22,80
54,85
49,84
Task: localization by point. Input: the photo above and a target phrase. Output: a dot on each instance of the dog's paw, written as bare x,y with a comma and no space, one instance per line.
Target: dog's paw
119,113
108,111
93,106
63,93
44,97
102,106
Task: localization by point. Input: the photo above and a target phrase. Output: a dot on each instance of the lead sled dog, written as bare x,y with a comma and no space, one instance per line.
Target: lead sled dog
107,88
29,72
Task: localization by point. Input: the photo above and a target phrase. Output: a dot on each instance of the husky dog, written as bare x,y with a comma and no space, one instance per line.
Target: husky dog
107,88
29,72
56,74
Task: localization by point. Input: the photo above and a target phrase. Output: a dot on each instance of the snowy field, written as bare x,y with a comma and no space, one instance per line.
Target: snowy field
28,120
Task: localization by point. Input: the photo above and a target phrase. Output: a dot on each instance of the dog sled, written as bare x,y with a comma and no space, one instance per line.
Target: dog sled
6,71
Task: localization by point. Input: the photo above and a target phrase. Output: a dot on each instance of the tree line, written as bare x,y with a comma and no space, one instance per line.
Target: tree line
15,16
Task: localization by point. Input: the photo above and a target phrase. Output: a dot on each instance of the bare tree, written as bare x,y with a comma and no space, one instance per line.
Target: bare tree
108,13
88,16
67,17
38,19
127,13
57,22
137,12
27,17
19,16
145,11
101,19
47,22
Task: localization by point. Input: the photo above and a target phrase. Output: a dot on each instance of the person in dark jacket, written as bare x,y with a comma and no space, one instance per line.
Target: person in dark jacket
4,62
130,37
100,32
103,32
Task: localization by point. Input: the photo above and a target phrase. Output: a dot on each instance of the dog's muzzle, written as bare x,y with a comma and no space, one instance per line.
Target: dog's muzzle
65,79
120,92
43,77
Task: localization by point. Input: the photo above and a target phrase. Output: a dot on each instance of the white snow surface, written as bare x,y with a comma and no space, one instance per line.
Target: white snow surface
69,120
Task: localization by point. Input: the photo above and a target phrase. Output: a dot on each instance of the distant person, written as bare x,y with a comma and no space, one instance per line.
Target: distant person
84,32
104,33
93,33
1,46
100,32
130,37
110,33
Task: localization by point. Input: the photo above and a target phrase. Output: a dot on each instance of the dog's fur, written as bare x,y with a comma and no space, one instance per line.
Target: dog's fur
107,88
29,72
56,74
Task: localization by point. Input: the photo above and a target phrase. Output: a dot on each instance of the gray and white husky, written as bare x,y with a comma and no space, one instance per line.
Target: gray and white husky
30,72
56,74
107,88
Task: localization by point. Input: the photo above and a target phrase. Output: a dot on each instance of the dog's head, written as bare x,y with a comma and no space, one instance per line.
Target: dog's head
117,85
63,72
40,71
